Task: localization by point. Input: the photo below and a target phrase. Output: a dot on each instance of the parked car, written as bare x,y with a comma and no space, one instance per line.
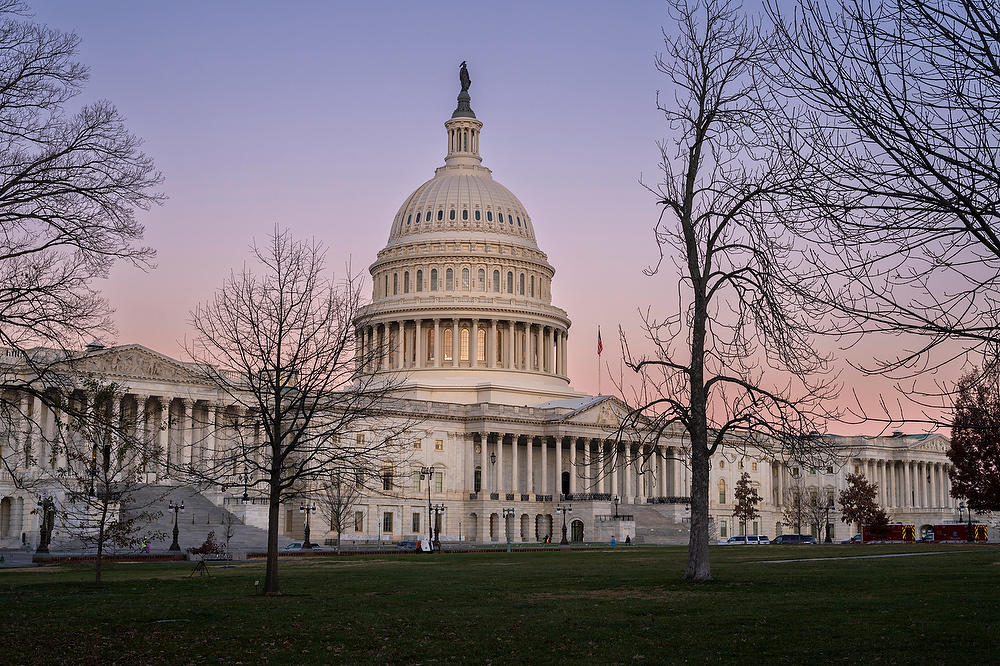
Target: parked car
408,545
794,539
297,545
745,540
854,539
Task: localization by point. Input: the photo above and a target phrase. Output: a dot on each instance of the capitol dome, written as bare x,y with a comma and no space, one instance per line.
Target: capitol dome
461,300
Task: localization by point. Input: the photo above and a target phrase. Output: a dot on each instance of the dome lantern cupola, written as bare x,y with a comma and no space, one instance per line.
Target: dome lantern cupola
463,128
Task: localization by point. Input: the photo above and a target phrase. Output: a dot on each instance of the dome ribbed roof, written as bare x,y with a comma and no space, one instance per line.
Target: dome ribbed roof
462,198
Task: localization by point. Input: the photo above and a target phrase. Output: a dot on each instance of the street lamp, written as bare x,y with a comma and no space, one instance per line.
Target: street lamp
306,509
616,501
968,525
493,463
564,509
507,515
244,478
176,508
47,511
437,510
829,507
428,472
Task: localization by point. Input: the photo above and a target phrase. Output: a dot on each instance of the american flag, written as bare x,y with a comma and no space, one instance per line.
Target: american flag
600,345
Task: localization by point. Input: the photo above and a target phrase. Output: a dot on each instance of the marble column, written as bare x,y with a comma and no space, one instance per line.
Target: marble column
509,345
437,363
906,485
184,456
543,443
491,345
557,442
454,343
474,344
587,476
573,469
514,485
529,458
142,440
615,466
484,466
418,340
400,344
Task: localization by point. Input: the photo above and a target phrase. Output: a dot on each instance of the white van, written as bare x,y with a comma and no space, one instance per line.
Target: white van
746,540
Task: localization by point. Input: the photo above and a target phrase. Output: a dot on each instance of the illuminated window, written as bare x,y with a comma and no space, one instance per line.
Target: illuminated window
481,345
430,344
448,344
416,444
439,445
722,491
753,467
463,345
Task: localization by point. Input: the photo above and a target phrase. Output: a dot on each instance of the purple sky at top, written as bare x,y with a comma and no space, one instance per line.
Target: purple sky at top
324,116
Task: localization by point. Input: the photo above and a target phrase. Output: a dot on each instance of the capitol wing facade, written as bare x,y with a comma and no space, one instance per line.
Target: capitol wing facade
461,307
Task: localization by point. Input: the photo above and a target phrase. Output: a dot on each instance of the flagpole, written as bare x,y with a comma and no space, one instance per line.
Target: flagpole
599,349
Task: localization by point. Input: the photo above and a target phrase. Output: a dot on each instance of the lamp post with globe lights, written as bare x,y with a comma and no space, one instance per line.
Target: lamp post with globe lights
307,509
437,510
564,509
508,514
176,507
428,473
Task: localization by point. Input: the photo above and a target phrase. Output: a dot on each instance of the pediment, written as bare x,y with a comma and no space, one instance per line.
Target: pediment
933,443
607,411
135,362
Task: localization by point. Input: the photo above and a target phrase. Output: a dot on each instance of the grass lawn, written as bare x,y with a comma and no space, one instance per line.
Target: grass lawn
621,606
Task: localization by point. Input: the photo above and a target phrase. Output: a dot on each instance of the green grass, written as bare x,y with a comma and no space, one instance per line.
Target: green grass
622,606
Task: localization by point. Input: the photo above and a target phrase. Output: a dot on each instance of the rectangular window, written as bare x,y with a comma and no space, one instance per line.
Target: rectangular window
416,481
723,529
753,466
829,469
386,478
812,471
416,522
359,521
438,481
795,472
756,527
416,445
439,445
387,522
359,439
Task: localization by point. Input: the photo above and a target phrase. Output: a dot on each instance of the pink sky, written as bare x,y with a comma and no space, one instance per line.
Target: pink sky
323,117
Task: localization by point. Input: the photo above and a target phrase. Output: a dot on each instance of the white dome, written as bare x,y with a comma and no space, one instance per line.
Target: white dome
462,198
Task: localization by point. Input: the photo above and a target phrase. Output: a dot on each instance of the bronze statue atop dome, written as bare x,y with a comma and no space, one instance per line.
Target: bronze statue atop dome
463,77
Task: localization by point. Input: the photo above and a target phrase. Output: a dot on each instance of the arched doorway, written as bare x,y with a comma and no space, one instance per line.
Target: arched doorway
577,531
494,527
525,526
473,534
565,483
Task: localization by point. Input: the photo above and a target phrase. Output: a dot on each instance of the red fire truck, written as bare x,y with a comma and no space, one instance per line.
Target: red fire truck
959,532
895,533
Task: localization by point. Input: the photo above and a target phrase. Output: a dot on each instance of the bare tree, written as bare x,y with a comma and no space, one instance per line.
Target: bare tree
338,497
734,367
818,505
281,344
71,182
97,464
892,120
794,504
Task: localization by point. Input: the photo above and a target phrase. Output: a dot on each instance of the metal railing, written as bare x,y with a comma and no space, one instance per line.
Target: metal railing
668,500
587,497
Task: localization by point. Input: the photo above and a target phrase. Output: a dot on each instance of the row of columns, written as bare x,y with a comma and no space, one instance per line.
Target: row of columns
631,471
44,426
910,484
419,343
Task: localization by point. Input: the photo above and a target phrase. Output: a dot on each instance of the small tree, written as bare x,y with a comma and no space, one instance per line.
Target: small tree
817,509
102,452
975,444
794,511
859,503
337,500
747,500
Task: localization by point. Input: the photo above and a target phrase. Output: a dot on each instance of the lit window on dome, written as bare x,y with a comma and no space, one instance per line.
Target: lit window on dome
465,213
477,215
440,215
463,345
451,214
448,343
420,280
489,216
481,345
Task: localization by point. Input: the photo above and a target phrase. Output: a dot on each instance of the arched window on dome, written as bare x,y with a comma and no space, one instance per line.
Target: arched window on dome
420,280
521,285
465,279
440,215
481,282
448,345
451,214
406,282
408,218
496,281
427,217
387,285
449,280
489,216
518,220
510,282
463,345
395,284
418,218
465,213
510,218
481,345
434,279
532,284
477,215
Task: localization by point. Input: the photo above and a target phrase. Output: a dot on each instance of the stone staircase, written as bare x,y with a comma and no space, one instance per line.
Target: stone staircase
200,517
658,524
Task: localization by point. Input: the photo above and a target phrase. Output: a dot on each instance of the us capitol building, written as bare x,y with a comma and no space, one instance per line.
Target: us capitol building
461,305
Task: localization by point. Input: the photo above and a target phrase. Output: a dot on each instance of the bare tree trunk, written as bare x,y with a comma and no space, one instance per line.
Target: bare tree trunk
698,565
271,572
